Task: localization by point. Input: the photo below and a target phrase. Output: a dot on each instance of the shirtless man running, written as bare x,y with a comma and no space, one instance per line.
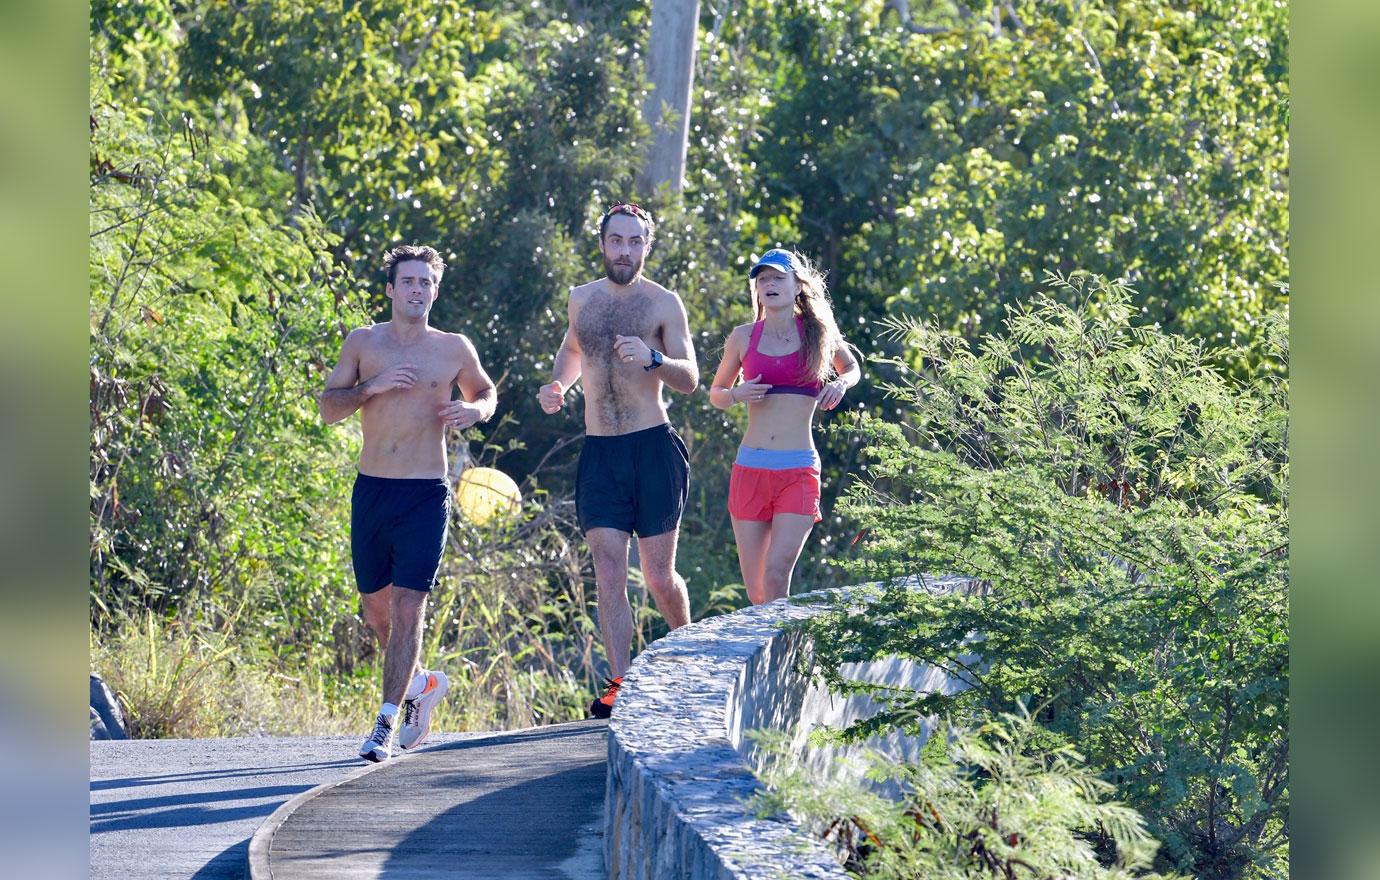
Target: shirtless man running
628,336
400,375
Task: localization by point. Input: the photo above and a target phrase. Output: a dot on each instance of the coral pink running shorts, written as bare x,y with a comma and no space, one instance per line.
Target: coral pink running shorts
761,493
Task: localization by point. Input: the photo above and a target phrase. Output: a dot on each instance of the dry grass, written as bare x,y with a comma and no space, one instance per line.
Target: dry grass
182,680
511,625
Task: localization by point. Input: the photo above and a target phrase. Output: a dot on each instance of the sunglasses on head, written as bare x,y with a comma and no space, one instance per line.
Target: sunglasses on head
628,208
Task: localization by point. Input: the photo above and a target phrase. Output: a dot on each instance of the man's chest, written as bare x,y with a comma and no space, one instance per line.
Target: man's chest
603,319
433,369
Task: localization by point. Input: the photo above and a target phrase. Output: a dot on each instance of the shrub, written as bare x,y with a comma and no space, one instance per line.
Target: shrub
1125,508
1000,800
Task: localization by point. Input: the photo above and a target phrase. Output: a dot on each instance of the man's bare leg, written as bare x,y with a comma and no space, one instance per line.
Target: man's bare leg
658,554
380,609
395,610
377,611
610,550
407,607
394,614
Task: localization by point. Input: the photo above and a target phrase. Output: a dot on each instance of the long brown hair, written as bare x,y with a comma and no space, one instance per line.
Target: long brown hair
821,337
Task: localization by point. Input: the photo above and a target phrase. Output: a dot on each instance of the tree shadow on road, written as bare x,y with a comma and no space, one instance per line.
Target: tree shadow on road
208,775
228,865
524,830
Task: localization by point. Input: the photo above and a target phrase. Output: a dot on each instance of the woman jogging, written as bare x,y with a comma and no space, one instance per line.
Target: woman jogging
790,351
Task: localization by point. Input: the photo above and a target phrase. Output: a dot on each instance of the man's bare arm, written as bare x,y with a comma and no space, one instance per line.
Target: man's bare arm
569,364
480,397
566,370
678,366
485,400
345,393
337,404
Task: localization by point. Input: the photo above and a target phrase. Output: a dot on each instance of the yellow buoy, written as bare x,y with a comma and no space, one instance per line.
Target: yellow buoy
484,493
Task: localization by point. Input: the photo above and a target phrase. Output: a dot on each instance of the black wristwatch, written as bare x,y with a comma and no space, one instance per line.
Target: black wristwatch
656,361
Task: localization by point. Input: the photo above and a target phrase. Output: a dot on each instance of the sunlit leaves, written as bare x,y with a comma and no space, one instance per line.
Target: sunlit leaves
1124,506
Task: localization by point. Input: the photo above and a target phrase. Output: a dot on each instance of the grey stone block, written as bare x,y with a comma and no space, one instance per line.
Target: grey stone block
107,722
680,767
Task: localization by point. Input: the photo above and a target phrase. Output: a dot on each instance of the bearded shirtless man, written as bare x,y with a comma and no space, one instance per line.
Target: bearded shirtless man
401,375
627,336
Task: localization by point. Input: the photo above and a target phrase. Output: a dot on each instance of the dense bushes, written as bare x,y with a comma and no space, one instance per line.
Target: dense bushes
1125,506
998,800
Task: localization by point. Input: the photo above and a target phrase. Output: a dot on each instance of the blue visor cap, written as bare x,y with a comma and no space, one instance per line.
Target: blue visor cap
776,258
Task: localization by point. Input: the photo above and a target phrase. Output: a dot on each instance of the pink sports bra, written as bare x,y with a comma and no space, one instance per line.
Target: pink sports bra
784,373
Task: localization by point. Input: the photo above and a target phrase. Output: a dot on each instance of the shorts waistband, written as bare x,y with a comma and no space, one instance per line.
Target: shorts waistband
634,436
418,482
776,459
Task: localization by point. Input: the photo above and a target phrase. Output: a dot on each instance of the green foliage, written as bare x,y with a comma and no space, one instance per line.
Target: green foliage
1123,505
141,38
999,800
212,319
513,625
932,172
218,497
496,133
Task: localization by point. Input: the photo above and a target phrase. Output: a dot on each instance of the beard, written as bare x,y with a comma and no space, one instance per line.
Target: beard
622,275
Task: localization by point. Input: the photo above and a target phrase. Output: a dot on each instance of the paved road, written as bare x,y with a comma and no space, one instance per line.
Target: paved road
183,809
523,805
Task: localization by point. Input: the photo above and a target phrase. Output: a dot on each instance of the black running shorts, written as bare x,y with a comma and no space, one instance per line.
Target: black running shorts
397,532
635,483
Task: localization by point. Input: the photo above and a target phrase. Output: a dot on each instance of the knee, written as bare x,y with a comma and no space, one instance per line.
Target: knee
776,581
377,619
661,584
605,560
610,567
407,608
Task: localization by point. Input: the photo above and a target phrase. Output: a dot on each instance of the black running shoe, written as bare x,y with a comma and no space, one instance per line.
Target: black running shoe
603,707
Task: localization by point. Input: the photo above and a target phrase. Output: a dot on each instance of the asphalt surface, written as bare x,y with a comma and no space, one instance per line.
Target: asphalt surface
183,809
520,805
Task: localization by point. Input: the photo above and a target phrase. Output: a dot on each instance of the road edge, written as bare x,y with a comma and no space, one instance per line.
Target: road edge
258,866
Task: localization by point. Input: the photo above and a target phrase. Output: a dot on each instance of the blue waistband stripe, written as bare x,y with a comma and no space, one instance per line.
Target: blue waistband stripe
776,459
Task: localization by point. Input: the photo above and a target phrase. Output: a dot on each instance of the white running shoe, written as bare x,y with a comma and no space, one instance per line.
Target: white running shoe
416,712
378,747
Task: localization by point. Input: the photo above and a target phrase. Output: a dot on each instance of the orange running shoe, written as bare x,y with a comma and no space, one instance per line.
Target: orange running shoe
603,707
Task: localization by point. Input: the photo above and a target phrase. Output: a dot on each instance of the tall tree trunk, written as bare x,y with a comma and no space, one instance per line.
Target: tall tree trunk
299,192
671,69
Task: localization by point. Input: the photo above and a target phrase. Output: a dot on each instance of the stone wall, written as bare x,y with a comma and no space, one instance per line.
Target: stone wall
679,769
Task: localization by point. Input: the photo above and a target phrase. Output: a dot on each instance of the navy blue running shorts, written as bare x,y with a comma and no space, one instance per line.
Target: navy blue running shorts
635,483
397,531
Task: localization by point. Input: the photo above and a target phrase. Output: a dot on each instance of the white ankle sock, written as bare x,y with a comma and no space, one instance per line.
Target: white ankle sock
418,685
389,710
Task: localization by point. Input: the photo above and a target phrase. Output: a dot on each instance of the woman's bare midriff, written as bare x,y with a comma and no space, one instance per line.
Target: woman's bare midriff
780,421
